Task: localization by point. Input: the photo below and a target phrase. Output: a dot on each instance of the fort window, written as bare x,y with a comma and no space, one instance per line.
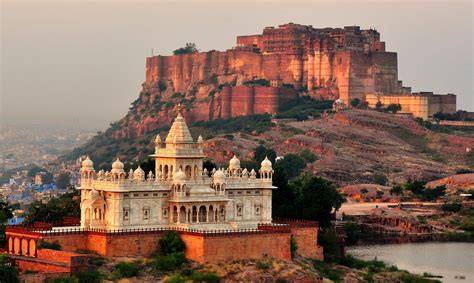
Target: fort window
126,195
126,213
146,213
239,209
135,195
231,193
239,192
145,195
258,209
155,195
249,192
257,192
165,194
165,213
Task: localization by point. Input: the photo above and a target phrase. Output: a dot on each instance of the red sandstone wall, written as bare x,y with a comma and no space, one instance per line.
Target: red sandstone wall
307,241
40,267
133,245
70,243
255,246
194,247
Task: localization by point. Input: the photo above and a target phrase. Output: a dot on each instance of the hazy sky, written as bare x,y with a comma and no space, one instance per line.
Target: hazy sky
81,63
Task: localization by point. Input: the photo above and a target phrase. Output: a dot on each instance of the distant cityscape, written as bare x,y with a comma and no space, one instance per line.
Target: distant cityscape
28,165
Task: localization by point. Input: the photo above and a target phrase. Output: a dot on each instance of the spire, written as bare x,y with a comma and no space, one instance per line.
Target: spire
179,132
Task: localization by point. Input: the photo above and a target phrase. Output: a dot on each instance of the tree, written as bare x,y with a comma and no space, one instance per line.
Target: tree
379,105
394,108
63,180
292,164
380,179
55,210
355,102
8,272
316,199
283,198
261,152
189,48
397,190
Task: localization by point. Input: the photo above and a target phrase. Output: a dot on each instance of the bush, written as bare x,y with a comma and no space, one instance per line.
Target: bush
171,243
90,276
452,207
262,265
187,49
380,179
47,245
126,269
8,272
209,277
169,262
293,246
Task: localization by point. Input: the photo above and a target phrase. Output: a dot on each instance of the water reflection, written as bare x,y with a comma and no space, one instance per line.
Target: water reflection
448,259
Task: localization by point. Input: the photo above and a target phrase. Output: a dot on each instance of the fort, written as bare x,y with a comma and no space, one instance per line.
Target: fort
325,63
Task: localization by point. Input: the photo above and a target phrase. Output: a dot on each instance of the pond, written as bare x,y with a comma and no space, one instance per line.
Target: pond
452,260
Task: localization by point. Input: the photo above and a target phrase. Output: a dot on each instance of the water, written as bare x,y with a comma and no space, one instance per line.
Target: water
448,259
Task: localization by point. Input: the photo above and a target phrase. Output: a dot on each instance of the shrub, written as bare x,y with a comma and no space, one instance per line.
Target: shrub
187,49
452,207
171,243
90,276
380,179
48,245
126,269
209,277
262,265
8,272
293,246
169,262
176,278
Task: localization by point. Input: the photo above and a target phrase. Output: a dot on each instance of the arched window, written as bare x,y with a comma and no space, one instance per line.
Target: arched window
165,172
188,172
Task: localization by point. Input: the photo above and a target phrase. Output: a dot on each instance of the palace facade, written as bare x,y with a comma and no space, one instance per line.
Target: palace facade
179,194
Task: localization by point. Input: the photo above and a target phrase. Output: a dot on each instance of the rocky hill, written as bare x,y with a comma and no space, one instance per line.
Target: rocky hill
353,146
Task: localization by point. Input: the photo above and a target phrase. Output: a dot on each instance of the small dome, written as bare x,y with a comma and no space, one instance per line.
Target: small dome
87,163
179,177
158,139
234,163
266,165
117,165
139,174
218,177
200,139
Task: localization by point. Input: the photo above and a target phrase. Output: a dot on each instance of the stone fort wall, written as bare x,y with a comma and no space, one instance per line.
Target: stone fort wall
267,241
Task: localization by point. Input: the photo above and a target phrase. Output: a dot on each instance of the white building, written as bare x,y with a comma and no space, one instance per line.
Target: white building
182,194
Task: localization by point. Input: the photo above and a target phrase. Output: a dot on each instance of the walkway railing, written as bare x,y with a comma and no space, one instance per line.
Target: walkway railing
261,229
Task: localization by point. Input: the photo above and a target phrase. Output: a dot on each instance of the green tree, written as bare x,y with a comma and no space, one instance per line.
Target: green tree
316,199
355,102
397,190
63,180
261,152
171,243
283,198
380,179
55,210
8,272
378,105
292,164
187,49
394,108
